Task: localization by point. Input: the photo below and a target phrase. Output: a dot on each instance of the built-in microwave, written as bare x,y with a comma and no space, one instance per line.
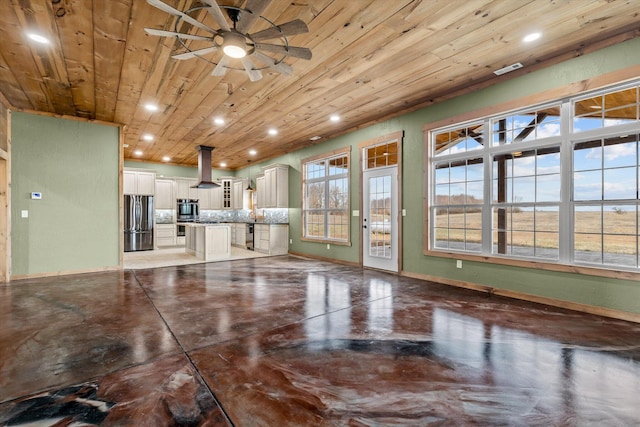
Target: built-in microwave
187,210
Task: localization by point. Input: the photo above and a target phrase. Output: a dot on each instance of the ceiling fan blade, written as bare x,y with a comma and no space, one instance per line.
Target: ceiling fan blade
163,33
221,68
254,75
296,52
215,11
170,10
247,19
280,67
290,28
195,53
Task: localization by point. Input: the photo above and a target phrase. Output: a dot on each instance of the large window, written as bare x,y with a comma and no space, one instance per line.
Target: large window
326,197
557,183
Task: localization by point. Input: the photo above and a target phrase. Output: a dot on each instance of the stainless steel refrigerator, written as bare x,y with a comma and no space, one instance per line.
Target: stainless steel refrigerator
138,223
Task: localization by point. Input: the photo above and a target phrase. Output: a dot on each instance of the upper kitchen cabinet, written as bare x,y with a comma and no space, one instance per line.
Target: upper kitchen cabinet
226,185
184,188
210,198
216,198
276,187
164,194
260,190
139,182
238,199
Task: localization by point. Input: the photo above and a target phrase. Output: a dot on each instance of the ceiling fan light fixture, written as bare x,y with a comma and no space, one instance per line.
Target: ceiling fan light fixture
234,45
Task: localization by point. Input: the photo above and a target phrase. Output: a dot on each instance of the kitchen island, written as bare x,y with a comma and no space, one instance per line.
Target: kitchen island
208,241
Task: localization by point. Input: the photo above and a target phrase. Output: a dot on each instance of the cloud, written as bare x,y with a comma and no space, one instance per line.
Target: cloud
613,152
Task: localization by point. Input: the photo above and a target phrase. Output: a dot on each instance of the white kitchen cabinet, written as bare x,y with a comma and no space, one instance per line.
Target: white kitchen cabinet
164,194
208,242
272,239
239,234
276,187
139,182
260,190
216,198
237,198
184,190
165,235
204,199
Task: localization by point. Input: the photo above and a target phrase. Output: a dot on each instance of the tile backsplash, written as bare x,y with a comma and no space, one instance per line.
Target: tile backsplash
267,216
165,216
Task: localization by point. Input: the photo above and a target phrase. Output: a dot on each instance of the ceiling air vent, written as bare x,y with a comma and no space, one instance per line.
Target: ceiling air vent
508,69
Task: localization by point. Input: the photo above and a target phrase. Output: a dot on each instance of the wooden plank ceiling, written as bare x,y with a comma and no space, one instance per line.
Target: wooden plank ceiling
372,60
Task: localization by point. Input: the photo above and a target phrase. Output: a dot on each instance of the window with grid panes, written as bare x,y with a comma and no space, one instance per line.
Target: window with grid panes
558,182
326,197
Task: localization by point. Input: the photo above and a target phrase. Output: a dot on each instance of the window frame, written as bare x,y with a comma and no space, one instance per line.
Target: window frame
335,154
565,97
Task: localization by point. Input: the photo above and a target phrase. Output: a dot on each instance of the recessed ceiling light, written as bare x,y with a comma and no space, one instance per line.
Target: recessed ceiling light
531,37
223,165
166,158
335,118
138,153
252,152
273,131
125,145
315,138
151,107
38,38
219,121
147,137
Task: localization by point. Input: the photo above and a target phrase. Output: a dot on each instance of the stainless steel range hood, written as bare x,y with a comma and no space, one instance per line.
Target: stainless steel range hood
204,168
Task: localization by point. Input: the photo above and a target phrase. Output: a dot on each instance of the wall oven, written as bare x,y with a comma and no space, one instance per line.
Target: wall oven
187,210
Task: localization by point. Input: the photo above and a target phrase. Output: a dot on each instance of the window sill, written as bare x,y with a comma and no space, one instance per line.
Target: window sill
325,241
540,265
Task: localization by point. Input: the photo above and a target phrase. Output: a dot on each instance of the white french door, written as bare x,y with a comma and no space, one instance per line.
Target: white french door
380,218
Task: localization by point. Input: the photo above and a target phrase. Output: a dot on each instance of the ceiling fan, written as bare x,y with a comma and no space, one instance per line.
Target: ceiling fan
234,41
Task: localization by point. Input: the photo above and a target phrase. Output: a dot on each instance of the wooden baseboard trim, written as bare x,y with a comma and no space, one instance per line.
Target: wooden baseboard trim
321,258
584,308
62,273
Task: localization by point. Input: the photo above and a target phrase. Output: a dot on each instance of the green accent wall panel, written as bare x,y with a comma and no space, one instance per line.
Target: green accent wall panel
74,164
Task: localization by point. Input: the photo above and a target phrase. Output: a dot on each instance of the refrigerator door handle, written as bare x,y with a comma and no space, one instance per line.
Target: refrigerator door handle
131,223
138,214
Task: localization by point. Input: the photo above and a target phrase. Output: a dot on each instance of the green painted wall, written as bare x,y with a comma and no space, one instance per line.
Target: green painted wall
74,165
596,291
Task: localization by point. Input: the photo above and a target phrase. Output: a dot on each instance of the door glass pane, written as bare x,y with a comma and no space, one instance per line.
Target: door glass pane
380,217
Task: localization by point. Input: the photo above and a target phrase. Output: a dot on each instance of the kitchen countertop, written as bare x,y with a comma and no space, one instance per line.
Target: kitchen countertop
228,222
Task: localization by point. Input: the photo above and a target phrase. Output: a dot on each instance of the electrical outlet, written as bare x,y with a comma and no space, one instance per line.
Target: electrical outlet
459,263
290,241
328,245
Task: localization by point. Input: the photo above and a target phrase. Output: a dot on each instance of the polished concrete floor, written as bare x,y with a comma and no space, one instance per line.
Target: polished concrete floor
287,341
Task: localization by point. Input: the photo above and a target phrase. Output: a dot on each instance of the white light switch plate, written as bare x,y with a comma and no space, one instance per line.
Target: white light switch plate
25,214
356,213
